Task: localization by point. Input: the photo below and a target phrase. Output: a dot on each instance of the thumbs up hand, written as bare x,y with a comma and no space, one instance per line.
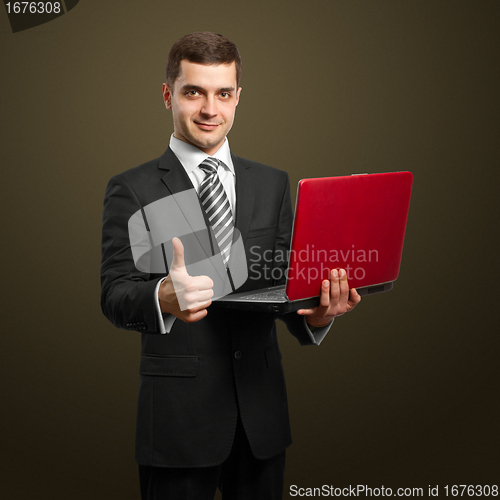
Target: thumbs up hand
186,297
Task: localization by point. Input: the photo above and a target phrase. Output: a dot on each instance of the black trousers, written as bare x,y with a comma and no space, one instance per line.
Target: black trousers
240,477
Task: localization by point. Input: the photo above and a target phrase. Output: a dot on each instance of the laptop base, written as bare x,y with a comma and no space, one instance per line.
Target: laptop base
370,290
249,301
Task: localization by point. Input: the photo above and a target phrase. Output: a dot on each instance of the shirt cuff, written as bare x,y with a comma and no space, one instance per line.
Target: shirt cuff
317,334
166,321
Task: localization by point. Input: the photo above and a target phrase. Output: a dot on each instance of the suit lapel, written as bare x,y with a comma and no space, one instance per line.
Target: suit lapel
176,180
175,177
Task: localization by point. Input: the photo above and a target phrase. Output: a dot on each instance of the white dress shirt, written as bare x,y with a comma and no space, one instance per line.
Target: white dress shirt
191,158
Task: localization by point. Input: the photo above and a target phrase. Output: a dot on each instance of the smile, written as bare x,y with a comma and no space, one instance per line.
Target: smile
207,126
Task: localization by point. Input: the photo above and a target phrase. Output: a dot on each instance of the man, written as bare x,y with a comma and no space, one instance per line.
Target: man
212,409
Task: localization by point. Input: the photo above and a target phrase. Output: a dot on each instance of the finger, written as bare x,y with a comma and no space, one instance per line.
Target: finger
198,306
354,299
178,256
203,282
196,316
324,301
192,306
324,298
204,295
305,312
189,296
344,289
334,288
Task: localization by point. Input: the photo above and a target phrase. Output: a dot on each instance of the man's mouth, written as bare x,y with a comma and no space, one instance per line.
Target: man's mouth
207,126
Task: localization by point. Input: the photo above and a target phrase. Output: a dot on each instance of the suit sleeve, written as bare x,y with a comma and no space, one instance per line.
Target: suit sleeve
126,293
295,323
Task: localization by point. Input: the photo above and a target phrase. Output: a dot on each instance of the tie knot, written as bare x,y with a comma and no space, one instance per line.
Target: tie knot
209,165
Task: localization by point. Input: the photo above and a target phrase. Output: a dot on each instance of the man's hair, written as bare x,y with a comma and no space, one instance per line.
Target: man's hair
202,47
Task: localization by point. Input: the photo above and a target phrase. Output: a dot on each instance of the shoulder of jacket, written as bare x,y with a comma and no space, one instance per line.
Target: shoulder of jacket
244,162
134,174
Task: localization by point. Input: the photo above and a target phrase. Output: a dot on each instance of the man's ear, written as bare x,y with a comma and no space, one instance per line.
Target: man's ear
167,96
238,96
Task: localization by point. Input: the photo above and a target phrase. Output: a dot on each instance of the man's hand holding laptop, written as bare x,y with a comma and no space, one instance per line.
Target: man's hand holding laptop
335,300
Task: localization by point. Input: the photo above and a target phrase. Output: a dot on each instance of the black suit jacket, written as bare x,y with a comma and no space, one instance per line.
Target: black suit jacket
195,380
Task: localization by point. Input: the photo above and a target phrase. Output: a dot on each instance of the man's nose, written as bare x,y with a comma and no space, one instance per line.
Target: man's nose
209,106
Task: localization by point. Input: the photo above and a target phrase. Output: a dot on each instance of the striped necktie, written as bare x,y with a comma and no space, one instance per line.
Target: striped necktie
216,205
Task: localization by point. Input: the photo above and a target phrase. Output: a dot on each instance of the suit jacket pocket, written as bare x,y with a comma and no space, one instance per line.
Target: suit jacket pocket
174,365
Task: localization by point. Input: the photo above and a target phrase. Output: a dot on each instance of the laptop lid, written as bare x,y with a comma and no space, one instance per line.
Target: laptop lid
354,222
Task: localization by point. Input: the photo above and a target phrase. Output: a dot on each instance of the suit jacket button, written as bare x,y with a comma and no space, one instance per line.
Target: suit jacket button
237,354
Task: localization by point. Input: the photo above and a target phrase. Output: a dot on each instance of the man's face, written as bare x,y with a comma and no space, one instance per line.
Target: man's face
203,102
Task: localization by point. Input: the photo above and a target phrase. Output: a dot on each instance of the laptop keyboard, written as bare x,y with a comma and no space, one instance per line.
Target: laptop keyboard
268,296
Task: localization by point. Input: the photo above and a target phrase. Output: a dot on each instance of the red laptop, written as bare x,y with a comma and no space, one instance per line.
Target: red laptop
354,222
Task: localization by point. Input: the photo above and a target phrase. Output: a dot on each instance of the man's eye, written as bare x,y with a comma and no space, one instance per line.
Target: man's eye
192,93
225,95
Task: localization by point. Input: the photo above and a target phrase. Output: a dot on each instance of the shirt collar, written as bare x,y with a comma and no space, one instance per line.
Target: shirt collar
191,157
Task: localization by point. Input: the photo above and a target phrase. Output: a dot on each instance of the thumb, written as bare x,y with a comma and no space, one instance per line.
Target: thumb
178,256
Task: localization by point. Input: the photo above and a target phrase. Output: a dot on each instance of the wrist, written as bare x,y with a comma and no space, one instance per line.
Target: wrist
163,295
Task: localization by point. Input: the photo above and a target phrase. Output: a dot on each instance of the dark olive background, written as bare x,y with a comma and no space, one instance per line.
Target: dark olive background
404,391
